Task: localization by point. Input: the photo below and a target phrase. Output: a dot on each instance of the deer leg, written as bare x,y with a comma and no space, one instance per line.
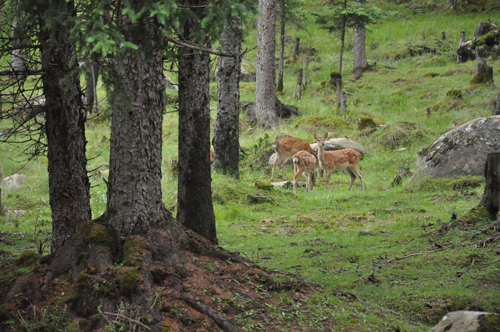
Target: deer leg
328,176
353,177
282,168
276,160
298,173
357,171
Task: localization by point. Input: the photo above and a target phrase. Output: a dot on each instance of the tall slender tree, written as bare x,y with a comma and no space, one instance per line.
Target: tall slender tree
226,135
360,63
194,185
265,90
279,88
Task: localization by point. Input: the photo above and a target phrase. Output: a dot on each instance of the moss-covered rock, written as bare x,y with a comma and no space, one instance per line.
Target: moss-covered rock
454,93
366,122
28,258
259,198
264,186
321,122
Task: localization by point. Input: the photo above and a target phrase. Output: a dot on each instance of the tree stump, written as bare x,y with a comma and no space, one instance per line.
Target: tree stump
483,74
298,89
491,197
496,109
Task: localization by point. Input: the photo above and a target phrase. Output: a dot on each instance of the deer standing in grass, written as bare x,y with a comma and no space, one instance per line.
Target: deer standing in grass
304,163
285,148
341,160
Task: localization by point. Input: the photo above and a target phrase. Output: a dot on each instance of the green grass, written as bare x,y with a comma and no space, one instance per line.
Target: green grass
400,277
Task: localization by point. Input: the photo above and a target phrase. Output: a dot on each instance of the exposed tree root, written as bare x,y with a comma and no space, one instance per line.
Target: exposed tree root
168,278
217,318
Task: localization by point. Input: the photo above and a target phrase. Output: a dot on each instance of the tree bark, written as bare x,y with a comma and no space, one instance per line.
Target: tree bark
491,196
134,189
226,137
296,48
19,60
279,88
265,90
341,54
195,209
298,89
91,102
306,68
360,63
64,124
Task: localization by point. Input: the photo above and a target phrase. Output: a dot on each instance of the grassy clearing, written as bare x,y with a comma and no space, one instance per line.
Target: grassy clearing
396,275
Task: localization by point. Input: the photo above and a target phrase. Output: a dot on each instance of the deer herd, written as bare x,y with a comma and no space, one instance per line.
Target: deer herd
305,162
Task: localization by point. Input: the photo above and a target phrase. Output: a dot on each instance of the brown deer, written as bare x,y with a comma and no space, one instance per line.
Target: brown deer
304,163
341,160
285,148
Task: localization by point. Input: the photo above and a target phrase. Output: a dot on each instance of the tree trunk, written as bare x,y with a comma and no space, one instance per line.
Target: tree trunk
359,52
134,189
91,102
343,108
265,90
282,46
298,89
306,68
195,209
491,196
226,137
19,60
296,48
341,54
64,124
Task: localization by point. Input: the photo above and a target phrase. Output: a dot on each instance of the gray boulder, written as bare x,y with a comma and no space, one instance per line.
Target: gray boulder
13,182
468,321
461,151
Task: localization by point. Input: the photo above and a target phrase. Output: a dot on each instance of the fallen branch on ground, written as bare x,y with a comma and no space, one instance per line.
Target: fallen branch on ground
411,255
130,319
221,322
487,228
491,239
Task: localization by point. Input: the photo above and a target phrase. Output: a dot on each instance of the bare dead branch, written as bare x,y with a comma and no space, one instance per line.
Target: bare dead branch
221,322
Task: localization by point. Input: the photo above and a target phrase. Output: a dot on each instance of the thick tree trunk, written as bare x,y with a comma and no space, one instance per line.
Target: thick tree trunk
226,137
279,88
64,123
265,91
491,196
134,189
359,52
195,209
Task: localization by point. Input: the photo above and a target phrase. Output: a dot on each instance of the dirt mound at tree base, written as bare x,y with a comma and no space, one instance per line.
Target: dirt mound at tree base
154,287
